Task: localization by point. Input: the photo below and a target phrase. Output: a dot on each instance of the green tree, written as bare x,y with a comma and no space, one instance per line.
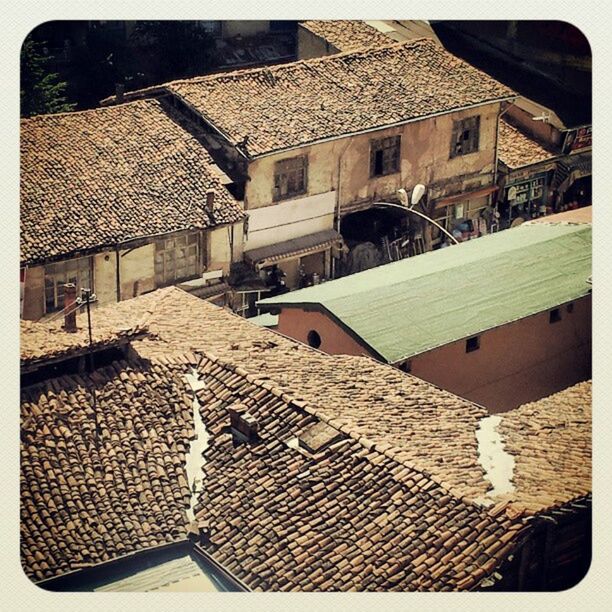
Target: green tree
41,90
173,49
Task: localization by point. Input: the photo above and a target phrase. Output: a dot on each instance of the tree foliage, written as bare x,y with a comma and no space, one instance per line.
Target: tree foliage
174,49
41,90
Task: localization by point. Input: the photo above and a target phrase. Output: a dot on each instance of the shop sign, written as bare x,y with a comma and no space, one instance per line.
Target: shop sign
580,138
517,194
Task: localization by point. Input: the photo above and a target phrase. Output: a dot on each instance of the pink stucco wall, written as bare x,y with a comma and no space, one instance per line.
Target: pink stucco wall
516,363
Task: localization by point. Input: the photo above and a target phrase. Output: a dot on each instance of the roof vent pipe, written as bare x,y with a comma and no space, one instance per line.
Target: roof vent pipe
70,308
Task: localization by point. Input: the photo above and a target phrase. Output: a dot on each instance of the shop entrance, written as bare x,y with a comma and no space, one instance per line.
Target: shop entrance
579,193
373,237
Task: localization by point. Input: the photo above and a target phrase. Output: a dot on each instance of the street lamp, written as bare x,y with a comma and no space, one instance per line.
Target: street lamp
417,194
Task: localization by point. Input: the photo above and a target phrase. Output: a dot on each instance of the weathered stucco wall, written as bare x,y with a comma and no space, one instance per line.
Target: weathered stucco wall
310,45
220,245
136,274
297,323
516,363
425,158
34,293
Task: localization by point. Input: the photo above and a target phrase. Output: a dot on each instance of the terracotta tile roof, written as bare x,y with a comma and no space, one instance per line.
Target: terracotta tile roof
386,504
46,340
420,424
349,517
97,178
551,442
346,34
516,149
303,102
82,504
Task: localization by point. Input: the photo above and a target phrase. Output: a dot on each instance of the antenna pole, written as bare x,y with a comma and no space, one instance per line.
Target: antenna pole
86,293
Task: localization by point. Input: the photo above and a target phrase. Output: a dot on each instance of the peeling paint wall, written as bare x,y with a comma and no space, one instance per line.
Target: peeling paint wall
425,158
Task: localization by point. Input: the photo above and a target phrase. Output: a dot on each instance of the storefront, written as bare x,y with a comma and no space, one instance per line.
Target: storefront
572,181
465,216
296,263
523,200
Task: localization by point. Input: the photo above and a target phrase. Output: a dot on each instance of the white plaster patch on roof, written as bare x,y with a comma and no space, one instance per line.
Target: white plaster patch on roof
194,460
496,462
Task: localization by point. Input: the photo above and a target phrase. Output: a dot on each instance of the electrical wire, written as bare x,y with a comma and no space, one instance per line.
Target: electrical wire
65,311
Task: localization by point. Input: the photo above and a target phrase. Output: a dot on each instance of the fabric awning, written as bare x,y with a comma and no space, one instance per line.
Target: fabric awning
289,249
478,193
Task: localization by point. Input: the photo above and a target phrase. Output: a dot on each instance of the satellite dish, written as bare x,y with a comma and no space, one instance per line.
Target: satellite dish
417,194
403,197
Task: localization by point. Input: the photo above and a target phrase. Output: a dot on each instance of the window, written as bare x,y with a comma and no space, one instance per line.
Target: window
570,307
77,271
554,316
176,259
466,134
472,344
385,156
290,177
314,339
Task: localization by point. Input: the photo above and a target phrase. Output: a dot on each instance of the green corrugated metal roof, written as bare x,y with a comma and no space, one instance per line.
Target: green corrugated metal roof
417,304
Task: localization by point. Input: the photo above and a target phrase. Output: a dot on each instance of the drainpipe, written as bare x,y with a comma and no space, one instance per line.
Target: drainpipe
338,223
496,162
117,273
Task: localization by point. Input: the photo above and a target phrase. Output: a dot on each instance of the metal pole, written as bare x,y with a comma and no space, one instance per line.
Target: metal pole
87,295
420,214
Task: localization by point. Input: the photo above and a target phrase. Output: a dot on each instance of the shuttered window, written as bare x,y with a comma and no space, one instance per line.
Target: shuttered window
176,259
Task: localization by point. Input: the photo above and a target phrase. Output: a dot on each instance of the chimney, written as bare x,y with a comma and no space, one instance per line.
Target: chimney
244,426
210,201
119,91
69,307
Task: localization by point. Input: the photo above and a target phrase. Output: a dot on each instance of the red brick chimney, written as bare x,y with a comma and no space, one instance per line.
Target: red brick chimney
69,307
244,426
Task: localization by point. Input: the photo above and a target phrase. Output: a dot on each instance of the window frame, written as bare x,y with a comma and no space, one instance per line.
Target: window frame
285,175
59,271
391,146
554,315
170,245
458,137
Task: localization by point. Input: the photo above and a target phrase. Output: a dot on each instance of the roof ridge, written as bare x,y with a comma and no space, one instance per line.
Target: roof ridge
86,111
303,62
390,451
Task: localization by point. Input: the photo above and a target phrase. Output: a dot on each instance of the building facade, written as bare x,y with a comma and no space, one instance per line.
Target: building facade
120,201
469,320
305,164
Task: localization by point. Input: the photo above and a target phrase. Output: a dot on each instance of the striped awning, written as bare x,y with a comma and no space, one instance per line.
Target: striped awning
290,249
